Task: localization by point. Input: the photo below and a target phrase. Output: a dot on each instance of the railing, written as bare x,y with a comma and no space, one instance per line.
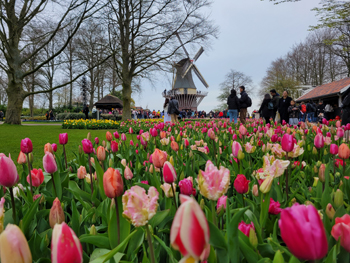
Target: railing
170,93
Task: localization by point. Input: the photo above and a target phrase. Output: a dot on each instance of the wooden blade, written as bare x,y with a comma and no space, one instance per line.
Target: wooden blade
186,68
199,75
199,53
182,45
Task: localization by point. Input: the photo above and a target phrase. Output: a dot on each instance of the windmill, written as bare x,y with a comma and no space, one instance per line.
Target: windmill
183,88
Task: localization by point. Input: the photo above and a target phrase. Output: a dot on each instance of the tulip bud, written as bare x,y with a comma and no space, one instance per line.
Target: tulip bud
265,187
101,153
31,157
240,155
293,201
110,163
80,149
315,169
88,136
338,198
255,190
321,173
128,175
344,151
169,173
22,158
278,257
151,168
26,146
56,213
49,163
113,183
9,176
93,230
315,181
202,204
252,238
314,150
171,160
330,212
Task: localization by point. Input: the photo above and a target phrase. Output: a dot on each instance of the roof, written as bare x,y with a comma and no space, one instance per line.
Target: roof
327,90
109,101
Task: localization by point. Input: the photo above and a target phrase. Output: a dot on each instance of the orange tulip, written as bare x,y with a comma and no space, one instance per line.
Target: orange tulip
174,146
113,183
48,148
162,134
344,151
109,136
101,153
158,158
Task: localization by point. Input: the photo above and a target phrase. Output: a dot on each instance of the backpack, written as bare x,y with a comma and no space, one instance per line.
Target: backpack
270,106
303,108
249,102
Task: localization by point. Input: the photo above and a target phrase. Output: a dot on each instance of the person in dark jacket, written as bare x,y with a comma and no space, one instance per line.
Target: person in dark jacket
346,109
284,104
86,112
293,113
173,109
310,111
233,106
320,111
243,102
275,100
265,111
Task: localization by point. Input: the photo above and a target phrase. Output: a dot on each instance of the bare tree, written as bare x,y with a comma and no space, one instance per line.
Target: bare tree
142,36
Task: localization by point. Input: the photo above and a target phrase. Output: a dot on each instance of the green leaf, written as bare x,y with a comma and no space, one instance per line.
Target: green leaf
253,218
97,240
278,257
250,255
232,236
332,255
136,241
58,185
158,218
167,249
217,240
29,217
80,193
75,218
99,173
100,252
294,260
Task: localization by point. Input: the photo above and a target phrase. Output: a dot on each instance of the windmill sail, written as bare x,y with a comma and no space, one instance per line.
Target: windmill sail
199,75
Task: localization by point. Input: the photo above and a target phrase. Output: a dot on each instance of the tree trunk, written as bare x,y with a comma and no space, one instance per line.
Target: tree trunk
14,103
50,100
126,100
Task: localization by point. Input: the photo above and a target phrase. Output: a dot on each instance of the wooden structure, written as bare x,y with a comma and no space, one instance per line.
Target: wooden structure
109,102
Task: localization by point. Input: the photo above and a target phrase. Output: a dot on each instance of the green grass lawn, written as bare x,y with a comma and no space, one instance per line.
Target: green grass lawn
11,136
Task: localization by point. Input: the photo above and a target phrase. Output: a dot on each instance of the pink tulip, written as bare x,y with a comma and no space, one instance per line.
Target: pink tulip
128,175
242,130
116,135
234,137
65,245
287,143
54,147
190,231
37,177
81,172
144,182
49,163
319,141
274,208
211,134
338,124
26,146
63,138
169,173
87,146
328,134
221,204
131,130
340,132
131,143
245,228
97,140
303,232
186,187
274,138
186,143
114,146
236,147
22,158
138,206
123,137
341,230
8,171
333,149
154,132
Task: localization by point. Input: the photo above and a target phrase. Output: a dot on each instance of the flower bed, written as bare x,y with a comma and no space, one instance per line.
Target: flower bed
191,192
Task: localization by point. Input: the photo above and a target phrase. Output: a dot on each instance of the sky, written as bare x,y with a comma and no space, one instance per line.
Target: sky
253,33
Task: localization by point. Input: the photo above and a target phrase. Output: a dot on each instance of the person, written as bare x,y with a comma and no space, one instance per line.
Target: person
233,106
275,100
267,108
293,113
302,112
346,109
320,111
167,117
47,115
221,114
51,115
86,112
243,102
1,115
328,111
284,104
310,111
173,109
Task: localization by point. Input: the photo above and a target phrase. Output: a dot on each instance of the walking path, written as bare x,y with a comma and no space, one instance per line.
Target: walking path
38,124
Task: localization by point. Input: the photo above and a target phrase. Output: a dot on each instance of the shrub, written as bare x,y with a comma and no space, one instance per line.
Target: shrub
34,118
61,116
75,116
108,117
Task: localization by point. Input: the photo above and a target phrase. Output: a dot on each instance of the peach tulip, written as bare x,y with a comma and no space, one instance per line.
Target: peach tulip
56,213
113,183
341,230
48,148
101,153
158,158
81,172
344,151
22,158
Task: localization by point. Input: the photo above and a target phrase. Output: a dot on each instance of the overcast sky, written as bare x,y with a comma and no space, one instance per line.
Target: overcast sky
252,34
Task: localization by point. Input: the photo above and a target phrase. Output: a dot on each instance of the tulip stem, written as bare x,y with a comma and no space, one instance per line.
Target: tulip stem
30,175
54,186
65,156
287,175
13,205
118,222
174,195
150,244
213,212
92,186
343,167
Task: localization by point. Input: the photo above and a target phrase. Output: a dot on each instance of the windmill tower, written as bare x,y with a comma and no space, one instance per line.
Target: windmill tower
183,88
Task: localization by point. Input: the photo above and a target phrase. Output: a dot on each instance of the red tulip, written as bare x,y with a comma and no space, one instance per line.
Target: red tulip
63,138
274,138
186,143
287,143
339,162
26,145
169,173
87,146
341,230
186,187
303,232
190,231
49,163
54,147
241,184
37,177
56,213
65,245
113,183
114,146
245,228
333,149
274,208
344,151
8,171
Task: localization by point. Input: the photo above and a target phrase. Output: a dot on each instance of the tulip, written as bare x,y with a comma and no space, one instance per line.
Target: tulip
144,182
333,149
321,173
138,206
344,151
338,198
186,143
186,187
26,146
56,213
109,136
236,147
287,143
87,146
241,184
174,146
341,230
113,183
245,228
213,183
211,134
48,148
128,175
54,147
242,130
49,163
274,138
97,140
340,132
266,185
168,189
319,141
22,159
123,137
114,146
37,177
158,158
330,212
190,231
221,205
303,223
9,176
14,246
116,135
255,190
274,208
101,153
81,172
169,173
154,132
63,138
131,130
65,245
